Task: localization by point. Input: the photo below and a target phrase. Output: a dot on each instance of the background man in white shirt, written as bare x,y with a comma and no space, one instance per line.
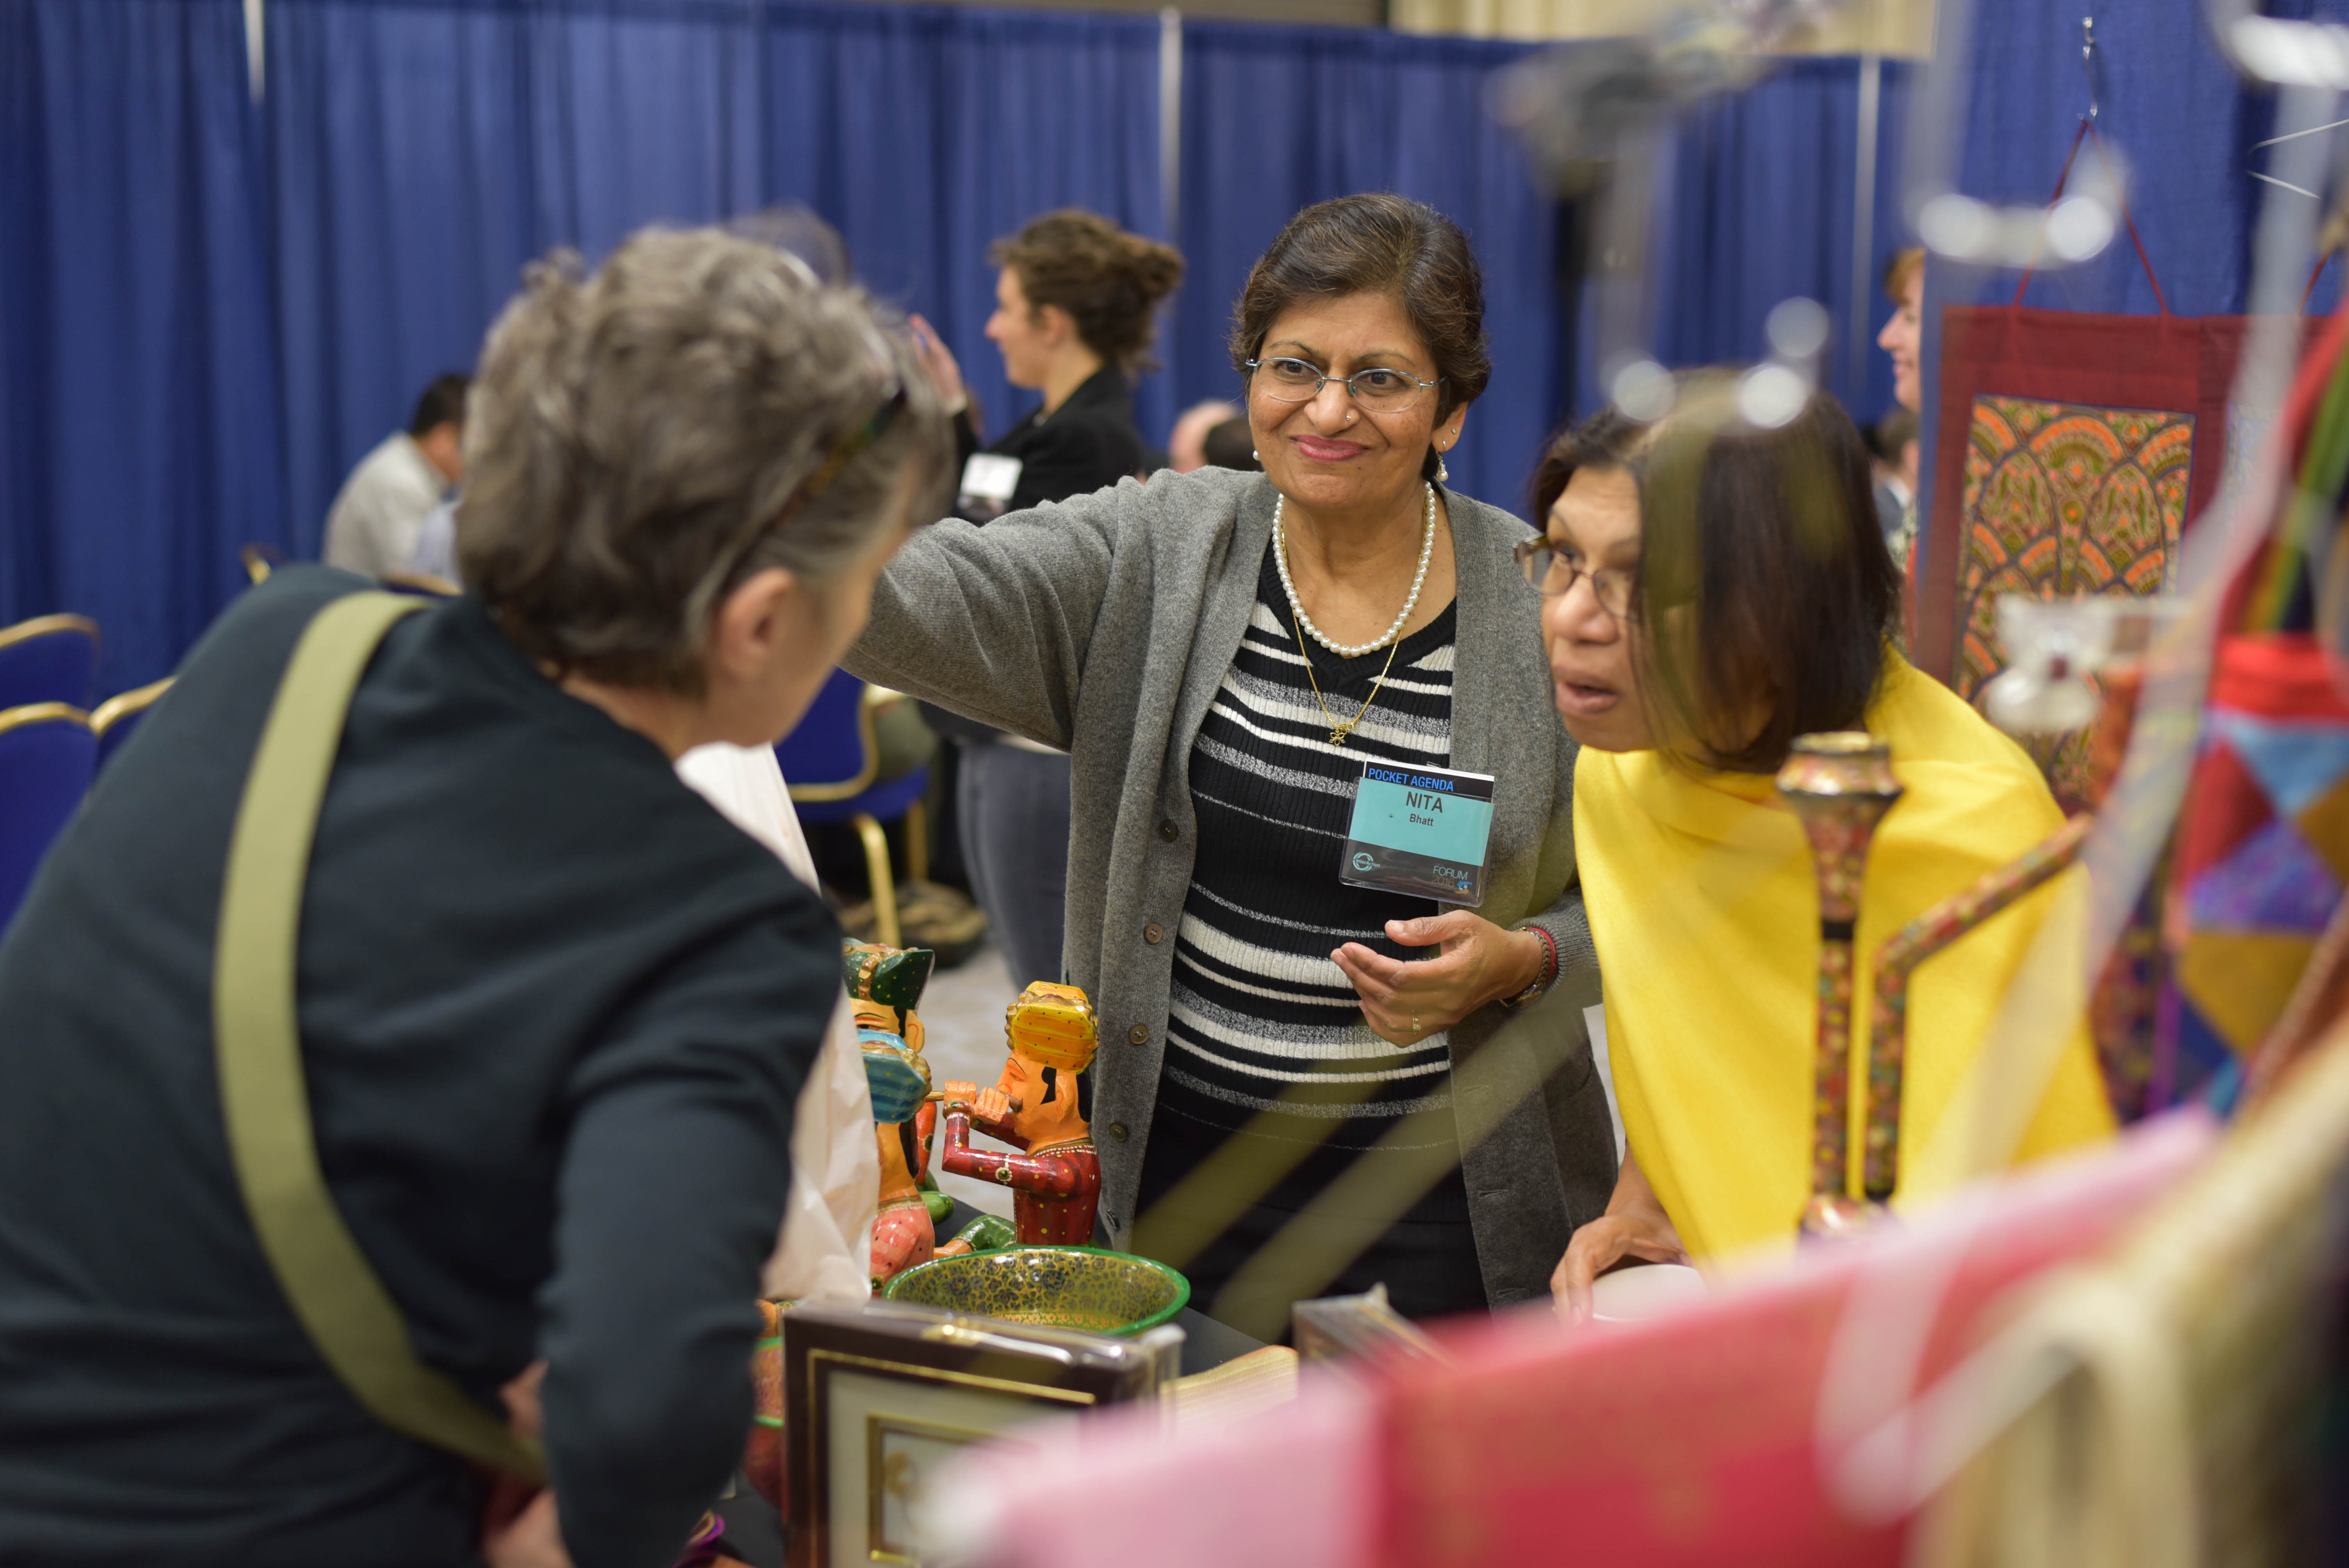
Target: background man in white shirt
373,525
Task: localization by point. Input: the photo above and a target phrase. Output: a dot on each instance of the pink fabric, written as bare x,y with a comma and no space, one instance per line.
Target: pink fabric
1290,1488
1775,1422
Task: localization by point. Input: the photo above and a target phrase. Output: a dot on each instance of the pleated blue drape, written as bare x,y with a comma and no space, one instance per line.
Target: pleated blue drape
1761,207
211,308
138,401
925,134
423,152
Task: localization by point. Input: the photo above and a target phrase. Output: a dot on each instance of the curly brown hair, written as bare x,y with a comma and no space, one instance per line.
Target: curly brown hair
1377,243
1109,281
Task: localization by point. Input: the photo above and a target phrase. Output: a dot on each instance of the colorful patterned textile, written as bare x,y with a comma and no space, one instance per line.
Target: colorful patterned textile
2067,461
2263,853
2061,500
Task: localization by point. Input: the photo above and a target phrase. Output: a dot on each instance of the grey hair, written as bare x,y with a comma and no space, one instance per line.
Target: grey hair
638,440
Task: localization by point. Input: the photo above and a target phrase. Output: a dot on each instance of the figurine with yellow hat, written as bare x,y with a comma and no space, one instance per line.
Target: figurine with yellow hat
1055,1181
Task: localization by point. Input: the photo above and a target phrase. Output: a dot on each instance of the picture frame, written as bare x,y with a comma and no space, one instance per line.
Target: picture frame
877,1400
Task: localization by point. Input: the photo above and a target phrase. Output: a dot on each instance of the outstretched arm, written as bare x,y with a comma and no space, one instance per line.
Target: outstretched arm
994,622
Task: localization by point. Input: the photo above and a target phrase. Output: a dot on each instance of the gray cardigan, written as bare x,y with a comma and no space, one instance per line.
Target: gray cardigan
1103,625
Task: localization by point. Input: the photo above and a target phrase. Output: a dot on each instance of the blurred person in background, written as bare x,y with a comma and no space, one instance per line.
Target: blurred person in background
373,525
1076,312
1230,446
1711,590
1186,443
1892,447
1903,336
1273,1100
553,1010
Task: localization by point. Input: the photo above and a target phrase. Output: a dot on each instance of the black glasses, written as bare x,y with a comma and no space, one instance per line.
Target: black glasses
1553,570
825,475
1379,389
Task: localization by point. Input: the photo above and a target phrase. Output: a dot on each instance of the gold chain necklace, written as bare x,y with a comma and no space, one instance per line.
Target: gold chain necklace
1338,731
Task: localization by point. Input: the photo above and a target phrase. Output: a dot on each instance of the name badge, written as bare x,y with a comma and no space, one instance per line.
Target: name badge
1419,830
987,481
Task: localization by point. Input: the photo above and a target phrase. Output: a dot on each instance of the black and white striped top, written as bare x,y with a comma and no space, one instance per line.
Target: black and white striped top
1261,1018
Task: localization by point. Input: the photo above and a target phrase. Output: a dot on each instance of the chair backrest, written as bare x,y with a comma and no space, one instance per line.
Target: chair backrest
47,756
259,561
50,659
117,716
421,584
830,754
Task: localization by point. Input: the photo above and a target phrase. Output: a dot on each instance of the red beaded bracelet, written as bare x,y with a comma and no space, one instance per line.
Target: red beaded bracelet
1548,975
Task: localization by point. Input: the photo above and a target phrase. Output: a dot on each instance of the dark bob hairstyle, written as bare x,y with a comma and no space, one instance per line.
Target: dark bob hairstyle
1377,243
1765,588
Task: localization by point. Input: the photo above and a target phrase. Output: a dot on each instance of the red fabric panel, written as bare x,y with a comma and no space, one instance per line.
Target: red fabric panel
2061,356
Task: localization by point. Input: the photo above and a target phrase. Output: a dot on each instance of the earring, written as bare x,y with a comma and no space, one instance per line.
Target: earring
1443,474
1256,455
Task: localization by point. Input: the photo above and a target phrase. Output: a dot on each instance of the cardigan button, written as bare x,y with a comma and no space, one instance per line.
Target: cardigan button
1117,1131
1138,1034
1168,832
1152,933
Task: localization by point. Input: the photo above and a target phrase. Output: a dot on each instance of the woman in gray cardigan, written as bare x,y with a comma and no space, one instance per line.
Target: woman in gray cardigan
1304,1085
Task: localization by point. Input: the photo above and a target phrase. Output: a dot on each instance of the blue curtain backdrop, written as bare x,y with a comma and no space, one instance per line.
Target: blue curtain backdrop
211,308
1761,209
139,402
422,152
925,134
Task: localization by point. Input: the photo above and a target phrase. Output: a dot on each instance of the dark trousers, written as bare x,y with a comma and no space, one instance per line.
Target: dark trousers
1014,805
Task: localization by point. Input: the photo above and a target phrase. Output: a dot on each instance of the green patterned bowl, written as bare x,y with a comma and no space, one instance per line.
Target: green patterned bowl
1088,1288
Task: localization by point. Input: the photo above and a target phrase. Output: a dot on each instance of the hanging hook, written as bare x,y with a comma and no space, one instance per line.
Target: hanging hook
2088,61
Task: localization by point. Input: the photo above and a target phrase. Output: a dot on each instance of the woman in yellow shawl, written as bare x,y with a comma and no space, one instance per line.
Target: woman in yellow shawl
1717,588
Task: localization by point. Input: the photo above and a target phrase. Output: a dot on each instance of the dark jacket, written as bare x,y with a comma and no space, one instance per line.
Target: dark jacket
554,1013
1086,444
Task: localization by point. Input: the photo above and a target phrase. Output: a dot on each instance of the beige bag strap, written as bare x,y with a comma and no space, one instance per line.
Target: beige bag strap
349,1316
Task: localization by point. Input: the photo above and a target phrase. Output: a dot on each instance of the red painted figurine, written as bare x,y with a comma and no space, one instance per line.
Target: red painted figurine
1056,1182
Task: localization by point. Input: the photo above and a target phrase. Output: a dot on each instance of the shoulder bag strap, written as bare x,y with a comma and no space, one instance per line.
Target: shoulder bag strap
349,1316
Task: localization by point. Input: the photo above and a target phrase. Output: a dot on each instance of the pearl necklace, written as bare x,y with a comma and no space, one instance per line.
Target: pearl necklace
1418,580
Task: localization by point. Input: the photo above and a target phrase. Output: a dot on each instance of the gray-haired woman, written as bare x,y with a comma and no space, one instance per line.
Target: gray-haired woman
552,1010
1305,1084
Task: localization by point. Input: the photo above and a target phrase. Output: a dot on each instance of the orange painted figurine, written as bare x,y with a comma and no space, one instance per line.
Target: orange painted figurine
1034,1107
884,986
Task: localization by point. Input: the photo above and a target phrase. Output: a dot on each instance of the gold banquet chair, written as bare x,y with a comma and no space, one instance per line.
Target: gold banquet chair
47,756
832,761
118,716
49,658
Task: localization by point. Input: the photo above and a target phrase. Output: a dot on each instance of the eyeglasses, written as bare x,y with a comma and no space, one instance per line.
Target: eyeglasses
1379,389
1553,571
825,475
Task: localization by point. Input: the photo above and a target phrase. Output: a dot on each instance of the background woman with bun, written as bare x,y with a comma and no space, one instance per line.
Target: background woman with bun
1075,315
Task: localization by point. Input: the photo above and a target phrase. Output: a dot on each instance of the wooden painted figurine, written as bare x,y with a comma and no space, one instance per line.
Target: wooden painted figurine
1034,1107
885,985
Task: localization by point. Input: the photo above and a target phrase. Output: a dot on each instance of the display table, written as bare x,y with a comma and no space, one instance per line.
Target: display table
754,1533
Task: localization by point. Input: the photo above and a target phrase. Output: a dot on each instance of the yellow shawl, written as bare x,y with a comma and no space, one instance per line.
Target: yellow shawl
1706,918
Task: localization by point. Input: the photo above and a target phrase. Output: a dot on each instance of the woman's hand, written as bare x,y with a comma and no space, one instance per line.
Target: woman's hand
940,364
534,1540
1634,1226
1406,1002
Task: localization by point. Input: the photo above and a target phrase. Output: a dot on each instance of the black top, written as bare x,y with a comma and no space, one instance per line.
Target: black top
555,1012
1266,1042
1088,443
